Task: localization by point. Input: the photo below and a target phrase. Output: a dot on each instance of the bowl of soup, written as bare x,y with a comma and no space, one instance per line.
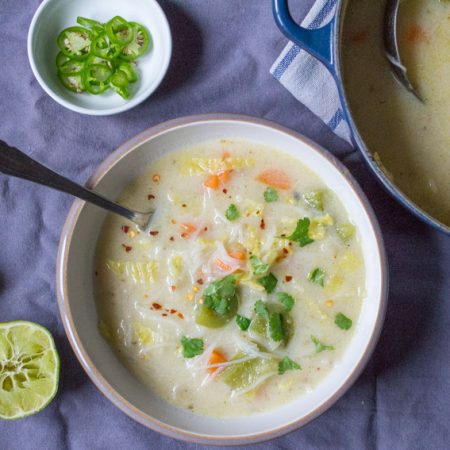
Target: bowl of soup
404,140
253,300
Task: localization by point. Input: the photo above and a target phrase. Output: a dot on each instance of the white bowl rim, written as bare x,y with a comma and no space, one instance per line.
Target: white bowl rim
131,103
102,384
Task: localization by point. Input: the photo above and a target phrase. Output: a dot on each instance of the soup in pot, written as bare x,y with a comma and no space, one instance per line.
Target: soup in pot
409,139
245,291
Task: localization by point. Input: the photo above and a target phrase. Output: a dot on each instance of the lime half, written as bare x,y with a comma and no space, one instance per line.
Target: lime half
29,369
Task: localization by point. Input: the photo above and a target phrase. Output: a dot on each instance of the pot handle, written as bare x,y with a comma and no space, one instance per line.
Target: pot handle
317,42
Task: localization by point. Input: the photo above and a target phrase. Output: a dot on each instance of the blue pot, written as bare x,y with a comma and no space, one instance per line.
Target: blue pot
324,44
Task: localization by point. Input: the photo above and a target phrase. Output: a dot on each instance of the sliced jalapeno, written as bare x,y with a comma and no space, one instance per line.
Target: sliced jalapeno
138,45
128,70
104,48
122,91
119,79
119,30
96,78
72,67
75,42
96,27
61,58
73,82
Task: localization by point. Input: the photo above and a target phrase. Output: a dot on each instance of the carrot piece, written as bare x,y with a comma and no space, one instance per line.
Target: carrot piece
238,254
416,34
221,265
188,229
216,358
225,176
275,178
212,182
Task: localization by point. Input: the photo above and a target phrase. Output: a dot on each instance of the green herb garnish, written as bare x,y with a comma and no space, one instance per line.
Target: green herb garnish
287,300
270,195
269,282
243,322
300,234
232,212
287,364
191,346
343,321
220,295
320,347
317,276
261,309
258,266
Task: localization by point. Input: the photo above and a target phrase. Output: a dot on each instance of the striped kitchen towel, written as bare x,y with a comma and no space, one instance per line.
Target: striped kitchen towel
308,80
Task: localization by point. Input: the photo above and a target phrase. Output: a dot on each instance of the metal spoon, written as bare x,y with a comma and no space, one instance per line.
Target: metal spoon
391,46
17,164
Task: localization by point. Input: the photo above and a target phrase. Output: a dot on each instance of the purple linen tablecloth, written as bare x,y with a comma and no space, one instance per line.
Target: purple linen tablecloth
222,54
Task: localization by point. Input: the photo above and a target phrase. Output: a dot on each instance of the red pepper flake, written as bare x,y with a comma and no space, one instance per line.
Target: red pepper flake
285,251
156,305
184,205
164,315
262,224
173,288
205,229
225,191
184,235
125,228
173,311
172,238
127,248
199,281
180,315
156,178
288,278
153,233
150,196
174,221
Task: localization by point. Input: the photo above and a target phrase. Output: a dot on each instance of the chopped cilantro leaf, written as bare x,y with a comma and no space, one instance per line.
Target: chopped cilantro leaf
269,282
317,276
343,321
191,347
220,296
287,300
320,347
287,364
300,234
258,266
270,195
276,326
232,212
261,309
243,322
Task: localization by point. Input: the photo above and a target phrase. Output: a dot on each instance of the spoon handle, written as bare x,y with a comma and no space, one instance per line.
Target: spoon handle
17,164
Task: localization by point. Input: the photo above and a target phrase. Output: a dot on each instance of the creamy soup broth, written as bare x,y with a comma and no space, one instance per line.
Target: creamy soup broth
410,139
150,289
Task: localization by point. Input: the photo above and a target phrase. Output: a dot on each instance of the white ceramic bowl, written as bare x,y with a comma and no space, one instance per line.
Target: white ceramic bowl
53,16
77,305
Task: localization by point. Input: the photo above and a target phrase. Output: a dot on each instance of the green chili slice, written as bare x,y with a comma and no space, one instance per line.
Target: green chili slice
138,45
72,82
119,30
104,48
96,78
96,27
75,42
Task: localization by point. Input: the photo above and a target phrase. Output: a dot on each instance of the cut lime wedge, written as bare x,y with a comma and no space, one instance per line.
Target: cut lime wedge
29,369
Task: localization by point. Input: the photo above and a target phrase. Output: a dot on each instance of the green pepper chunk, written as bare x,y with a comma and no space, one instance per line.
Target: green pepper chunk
119,30
96,78
61,58
119,79
249,373
75,42
138,45
96,27
128,70
104,48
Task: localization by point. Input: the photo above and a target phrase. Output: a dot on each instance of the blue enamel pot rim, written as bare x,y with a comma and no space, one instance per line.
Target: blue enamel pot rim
325,45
